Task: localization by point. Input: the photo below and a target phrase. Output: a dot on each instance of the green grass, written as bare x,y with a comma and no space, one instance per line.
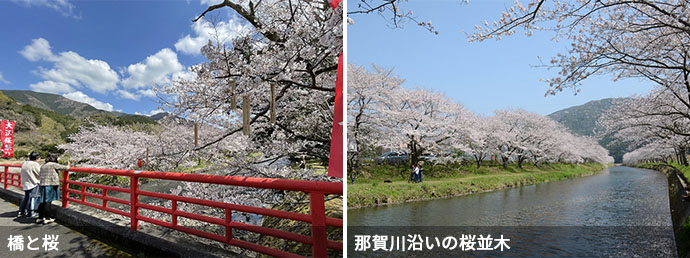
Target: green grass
452,181
684,170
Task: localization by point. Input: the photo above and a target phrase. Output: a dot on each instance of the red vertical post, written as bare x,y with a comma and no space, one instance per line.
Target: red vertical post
83,191
105,194
318,224
134,202
65,186
4,176
228,229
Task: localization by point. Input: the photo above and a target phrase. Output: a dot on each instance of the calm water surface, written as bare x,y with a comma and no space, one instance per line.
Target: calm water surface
620,212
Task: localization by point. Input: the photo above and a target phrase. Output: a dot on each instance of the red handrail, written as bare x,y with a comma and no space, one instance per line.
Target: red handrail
7,176
316,190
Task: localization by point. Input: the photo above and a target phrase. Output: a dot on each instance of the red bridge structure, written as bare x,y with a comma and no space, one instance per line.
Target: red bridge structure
317,190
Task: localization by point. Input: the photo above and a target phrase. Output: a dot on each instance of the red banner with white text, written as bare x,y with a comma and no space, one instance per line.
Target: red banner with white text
7,138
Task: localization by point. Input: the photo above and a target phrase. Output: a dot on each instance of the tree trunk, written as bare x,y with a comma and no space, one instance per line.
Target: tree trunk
683,157
415,152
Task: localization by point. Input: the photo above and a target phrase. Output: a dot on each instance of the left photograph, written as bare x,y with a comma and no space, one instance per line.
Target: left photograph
209,128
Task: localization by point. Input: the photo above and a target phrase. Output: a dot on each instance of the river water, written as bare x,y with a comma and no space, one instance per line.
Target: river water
619,212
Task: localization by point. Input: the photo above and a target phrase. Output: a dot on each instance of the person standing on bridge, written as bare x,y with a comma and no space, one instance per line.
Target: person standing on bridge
50,181
30,171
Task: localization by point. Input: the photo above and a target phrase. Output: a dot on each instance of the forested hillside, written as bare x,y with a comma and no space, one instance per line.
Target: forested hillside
582,120
42,129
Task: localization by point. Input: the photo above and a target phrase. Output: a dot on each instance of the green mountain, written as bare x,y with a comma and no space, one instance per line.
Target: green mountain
159,116
45,120
55,103
36,129
582,120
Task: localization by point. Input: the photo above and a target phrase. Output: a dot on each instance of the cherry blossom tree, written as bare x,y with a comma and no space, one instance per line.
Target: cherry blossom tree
520,135
171,146
478,141
422,120
293,46
515,130
627,39
366,92
107,146
653,152
655,118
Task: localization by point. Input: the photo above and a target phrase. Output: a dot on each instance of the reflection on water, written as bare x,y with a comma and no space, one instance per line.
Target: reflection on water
619,212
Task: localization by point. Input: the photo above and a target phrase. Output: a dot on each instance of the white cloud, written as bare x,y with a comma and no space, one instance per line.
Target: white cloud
128,95
153,112
63,6
210,2
81,97
2,79
51,87
204,31
92,73
39,49
154,69
148,93
71,72
136,96
71,68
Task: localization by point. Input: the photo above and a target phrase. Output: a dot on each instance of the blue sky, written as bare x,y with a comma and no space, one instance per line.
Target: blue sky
106,53
483,76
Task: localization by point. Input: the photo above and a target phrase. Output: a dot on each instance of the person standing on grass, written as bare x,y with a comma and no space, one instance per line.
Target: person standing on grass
421,170
30,172
50,181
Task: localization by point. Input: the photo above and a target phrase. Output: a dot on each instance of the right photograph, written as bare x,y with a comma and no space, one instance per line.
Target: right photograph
518,128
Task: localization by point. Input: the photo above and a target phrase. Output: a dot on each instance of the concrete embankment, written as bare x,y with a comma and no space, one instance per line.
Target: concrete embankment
679,201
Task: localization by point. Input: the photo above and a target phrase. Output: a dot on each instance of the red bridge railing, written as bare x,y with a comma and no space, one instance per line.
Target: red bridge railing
316,217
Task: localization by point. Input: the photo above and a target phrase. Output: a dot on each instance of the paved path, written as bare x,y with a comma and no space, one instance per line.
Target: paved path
69,242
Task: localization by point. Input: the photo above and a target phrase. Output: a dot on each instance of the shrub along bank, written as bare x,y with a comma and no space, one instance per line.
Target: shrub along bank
448,181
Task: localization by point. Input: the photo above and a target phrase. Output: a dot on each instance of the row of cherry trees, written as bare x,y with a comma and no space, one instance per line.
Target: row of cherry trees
645,39
655,126
382,113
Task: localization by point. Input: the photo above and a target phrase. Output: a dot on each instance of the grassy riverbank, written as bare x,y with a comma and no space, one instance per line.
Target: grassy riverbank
683,170
444,182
